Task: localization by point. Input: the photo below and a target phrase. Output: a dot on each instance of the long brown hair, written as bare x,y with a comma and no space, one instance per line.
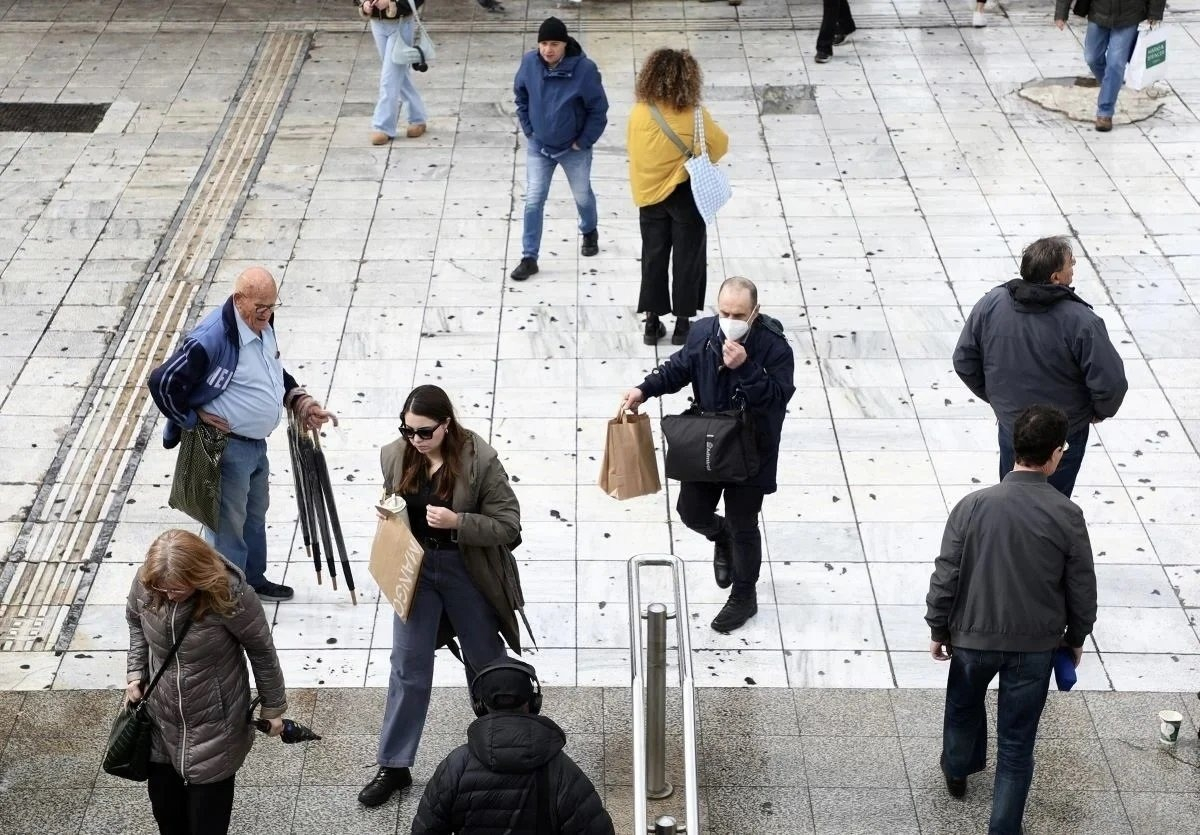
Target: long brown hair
433,403
670,77
179,558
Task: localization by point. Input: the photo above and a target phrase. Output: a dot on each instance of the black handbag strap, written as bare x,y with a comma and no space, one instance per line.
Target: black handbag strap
545,822
672,135
167,661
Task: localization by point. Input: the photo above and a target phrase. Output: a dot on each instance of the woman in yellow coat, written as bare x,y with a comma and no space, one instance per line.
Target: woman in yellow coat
673,231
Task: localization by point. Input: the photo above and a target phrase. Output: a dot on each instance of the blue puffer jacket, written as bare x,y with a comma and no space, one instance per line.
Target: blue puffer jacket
200,370
561,106
763,382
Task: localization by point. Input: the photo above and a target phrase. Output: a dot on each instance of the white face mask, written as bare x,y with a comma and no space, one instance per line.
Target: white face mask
734,329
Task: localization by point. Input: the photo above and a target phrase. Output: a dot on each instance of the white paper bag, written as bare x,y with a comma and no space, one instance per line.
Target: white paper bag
1148,63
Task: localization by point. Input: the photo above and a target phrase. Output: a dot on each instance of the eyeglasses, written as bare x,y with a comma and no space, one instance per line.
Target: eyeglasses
260,309
425,433
1065,446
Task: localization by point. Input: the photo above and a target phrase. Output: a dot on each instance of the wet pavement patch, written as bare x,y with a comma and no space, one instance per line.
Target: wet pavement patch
1076,97
47,117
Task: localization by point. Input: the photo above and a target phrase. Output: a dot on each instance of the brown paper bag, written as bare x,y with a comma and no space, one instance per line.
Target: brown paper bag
396,558
629,468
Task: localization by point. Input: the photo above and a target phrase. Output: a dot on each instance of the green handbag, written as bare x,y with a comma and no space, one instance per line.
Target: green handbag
196,487
128,752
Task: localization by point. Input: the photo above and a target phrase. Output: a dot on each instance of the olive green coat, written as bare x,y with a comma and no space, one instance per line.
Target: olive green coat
489,524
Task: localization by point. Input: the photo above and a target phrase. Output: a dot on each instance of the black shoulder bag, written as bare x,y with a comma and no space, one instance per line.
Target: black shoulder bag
711,446
128,751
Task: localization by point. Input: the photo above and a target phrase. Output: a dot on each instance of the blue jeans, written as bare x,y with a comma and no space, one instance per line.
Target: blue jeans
1064,477
539,168
1107,52
395,81
1024,680
444,586
241,535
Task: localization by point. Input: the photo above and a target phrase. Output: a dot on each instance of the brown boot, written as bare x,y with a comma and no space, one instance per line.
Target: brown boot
1104,123
415,130
378,137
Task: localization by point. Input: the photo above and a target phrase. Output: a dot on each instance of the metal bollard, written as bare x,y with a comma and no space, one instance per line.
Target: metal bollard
656,704
665,825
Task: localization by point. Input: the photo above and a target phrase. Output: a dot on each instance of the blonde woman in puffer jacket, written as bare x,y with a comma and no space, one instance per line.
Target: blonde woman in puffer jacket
201,705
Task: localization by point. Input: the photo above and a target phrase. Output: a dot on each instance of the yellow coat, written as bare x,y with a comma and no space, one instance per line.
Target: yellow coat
655,162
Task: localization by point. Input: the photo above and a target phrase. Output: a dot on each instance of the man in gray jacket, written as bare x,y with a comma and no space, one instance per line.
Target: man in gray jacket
1033,340
1014,581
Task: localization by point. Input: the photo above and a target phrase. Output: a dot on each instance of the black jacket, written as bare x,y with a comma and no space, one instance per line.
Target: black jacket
1115,14
1026,344
489,785
1015,573
763,382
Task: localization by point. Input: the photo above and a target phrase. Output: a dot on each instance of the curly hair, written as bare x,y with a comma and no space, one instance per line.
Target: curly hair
670,77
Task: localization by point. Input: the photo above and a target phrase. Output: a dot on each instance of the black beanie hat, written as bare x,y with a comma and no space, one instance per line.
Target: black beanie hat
552,29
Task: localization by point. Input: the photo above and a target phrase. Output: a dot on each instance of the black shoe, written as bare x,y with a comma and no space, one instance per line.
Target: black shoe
736,611
655,330
274,591
591,244
682,326
957,786
838,40
526,268
386,783
723,557
823,57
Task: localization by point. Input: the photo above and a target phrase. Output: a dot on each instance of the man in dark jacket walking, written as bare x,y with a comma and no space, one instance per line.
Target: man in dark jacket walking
1014,581
562,109
1033,340
739,359
1111,34
512,775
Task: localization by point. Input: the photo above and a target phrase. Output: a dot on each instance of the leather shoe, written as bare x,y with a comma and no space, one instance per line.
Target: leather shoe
655,330
736,611
274,591
386,783
723,557
1104,123
957,786
591,244
380,138
415,131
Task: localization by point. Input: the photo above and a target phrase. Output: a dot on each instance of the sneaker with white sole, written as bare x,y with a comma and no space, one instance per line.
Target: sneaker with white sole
979,20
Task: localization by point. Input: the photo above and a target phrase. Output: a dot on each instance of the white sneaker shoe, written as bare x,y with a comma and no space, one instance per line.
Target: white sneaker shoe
979,20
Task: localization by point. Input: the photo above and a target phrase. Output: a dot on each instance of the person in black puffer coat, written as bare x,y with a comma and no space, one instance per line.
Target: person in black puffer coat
512,777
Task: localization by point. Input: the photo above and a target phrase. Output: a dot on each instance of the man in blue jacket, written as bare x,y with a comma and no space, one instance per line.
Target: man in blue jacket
227,374
738,359
563,110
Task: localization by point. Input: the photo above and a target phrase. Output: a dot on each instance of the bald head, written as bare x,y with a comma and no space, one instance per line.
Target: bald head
255,296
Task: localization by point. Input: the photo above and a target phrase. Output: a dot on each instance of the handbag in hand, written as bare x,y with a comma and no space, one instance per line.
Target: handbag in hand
128,751
710,186
422,50
196,486
711,446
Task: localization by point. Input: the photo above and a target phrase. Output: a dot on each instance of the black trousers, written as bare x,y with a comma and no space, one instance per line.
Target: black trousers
697,508
674,233
835,20
191,809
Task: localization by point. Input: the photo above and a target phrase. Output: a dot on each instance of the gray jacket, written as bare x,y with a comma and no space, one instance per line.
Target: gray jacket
200,704
1115,14
1015,573
1026,344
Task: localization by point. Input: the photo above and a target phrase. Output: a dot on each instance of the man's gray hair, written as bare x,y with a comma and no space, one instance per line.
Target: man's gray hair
739,282
1043,258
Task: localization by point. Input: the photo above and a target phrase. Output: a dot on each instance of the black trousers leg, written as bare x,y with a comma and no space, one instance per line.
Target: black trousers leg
830,14
168,799
697,507
210,805
689,256
742,506
845,24
655,222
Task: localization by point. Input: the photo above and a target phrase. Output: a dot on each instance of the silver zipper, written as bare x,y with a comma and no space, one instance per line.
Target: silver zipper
179,697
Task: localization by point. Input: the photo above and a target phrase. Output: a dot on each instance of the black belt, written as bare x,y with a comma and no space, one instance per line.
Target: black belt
432,543
238,437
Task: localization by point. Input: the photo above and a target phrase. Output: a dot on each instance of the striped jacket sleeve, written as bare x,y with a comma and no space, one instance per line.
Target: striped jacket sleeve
171,384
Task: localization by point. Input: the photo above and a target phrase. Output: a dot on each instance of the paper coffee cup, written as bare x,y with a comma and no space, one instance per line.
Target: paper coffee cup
1168,726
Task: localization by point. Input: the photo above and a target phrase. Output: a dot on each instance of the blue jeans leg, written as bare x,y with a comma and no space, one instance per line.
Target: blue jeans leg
1064,477
1107,52
473,618
241,535
964,727
396,85
539,168
1024,680
577,165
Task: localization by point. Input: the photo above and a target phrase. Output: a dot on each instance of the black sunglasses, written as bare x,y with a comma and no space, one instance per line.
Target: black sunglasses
425,433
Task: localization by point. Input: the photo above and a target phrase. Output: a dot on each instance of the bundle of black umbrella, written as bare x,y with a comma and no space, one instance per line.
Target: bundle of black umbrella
319,523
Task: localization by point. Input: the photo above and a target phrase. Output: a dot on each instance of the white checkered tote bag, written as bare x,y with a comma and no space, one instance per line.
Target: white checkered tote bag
710,186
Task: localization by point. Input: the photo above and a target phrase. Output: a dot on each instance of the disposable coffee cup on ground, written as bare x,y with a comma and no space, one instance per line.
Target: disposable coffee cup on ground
1168,726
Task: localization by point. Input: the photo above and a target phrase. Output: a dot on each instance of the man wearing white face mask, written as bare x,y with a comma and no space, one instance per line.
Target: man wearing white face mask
738,359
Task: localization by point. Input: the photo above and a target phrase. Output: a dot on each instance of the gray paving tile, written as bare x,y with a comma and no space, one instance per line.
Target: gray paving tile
341,760
618,760
47,811
1075,812
863,812
1148,767
617,710
1134,716
618,800
846,713
346,710
577,710
1066,715
77,713
50,762
263,810
724,710
10,706
324,809
854,762
941,814
752,761
1162,813
763,811
587,750
922,756
122,809
1065,764
271,763
918,712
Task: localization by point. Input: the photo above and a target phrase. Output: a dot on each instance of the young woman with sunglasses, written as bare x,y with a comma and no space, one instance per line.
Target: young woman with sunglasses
463,511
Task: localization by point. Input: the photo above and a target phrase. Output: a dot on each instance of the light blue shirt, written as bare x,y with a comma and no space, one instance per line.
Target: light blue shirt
252,404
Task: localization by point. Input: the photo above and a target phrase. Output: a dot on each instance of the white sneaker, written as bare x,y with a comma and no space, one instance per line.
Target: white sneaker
979,20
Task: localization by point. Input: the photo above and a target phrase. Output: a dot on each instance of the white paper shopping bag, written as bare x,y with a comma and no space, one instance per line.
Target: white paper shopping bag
1148,63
